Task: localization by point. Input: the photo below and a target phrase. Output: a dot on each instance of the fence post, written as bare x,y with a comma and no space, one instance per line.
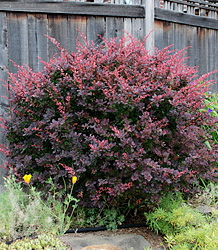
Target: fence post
3,91
149,23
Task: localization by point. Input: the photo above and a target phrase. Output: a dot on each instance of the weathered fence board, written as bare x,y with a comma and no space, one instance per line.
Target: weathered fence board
191,42
41,27
17,39
95,29
57,28
203,42
3,76
75,8
114,27
76,24
188,19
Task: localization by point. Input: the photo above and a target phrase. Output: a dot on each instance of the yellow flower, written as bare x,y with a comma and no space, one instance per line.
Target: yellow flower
74,179
27,178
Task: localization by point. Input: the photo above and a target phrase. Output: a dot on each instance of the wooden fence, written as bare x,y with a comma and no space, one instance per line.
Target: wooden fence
190,23
24,23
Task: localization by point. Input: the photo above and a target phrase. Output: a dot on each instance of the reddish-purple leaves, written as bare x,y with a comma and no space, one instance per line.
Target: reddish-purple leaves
126,122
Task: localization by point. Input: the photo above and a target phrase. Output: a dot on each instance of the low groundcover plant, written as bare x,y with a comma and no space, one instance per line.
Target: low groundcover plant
183,226
126,122
42,241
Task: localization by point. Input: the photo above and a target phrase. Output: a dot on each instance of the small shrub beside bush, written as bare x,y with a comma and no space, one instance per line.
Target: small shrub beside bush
125,122
211,106
26,214
183,226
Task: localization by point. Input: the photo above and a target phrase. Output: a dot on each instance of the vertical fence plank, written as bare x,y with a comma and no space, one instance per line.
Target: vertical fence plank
159,30
42,40
32,43
180,36
149,23
138,30
58,29
3,91
191,41
202,50
76,24
216,58
95,27
114,27
128,25
168,34
18,42
211,40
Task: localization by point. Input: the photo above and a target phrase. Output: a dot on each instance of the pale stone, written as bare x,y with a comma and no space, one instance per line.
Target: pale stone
204,209
102,247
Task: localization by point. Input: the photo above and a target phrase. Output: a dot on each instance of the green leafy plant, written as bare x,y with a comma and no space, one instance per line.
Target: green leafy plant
25,213
173,216
98,217
208,194
211,106
60,207
184,227
42,241
200,237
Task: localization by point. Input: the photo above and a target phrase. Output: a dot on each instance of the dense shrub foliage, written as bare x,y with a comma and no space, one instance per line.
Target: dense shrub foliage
126,122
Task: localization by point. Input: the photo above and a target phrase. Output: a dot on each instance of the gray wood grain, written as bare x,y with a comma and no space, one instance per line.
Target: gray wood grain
17,39
128,26
76,25
180,36
32,42
159,43
42,41
202,50
138,28
191,42
149,23
3,91
212,59
168,34
114,27
95,27
37,42
182,18
57,29
76,8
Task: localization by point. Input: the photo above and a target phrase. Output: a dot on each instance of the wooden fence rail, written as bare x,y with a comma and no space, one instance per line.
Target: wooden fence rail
24,24
195,7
